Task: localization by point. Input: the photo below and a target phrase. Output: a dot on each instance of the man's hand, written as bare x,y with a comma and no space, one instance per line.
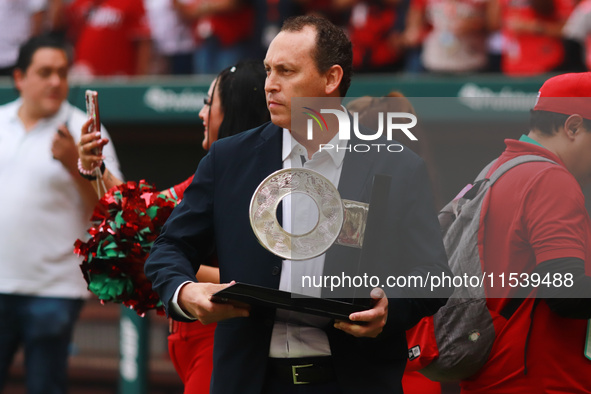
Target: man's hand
195,300
63,148
90,147
375,317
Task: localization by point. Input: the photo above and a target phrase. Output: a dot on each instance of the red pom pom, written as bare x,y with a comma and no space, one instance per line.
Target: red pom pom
126,222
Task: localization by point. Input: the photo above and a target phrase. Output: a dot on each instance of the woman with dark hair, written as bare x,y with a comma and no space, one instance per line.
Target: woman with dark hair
235,102
241,89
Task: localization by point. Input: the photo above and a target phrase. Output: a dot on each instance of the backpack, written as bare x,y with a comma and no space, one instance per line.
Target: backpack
455,343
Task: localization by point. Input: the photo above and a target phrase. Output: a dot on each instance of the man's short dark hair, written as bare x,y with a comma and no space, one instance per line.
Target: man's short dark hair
548,122
332,46
28,49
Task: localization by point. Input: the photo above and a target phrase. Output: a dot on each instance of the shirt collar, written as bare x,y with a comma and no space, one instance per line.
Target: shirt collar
525,138
62,115
13,115
291,146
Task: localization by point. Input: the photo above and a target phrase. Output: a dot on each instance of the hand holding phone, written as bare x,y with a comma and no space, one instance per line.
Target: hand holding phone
92,110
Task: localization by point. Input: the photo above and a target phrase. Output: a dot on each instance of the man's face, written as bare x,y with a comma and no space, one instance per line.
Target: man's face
291,72
579,162
44,85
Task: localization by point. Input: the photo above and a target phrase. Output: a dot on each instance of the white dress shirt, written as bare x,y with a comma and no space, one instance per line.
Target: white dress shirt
296,334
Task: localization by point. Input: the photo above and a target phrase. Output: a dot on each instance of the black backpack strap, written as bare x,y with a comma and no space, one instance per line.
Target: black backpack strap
520,296
511,307
479,181
476,186
485,170
516,301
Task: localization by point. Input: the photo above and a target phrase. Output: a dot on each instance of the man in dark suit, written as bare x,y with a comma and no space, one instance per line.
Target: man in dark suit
272,352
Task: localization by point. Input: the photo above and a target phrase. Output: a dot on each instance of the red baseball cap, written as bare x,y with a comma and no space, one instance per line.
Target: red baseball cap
566,94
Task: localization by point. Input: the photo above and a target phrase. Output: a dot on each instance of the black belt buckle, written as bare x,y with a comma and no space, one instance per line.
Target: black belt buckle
294,373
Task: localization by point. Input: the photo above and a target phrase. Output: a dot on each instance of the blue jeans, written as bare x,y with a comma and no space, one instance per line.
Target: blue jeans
44,326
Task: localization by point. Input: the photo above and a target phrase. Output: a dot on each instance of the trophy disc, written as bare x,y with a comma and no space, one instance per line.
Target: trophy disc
263,217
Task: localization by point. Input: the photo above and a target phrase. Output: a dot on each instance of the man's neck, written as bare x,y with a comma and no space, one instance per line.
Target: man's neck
552,143
28,117
312,145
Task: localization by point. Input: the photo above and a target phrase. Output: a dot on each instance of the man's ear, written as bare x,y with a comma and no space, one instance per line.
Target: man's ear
572,124
334,76
18,76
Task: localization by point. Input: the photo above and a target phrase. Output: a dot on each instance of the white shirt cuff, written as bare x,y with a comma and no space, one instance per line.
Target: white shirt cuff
174,303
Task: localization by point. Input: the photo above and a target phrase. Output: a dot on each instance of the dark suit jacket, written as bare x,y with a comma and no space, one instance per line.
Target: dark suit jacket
214,211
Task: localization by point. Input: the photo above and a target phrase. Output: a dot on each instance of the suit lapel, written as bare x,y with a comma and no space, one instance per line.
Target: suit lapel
355,180
267,157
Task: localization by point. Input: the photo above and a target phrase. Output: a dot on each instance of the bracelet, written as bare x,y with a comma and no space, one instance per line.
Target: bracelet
89,174
82,170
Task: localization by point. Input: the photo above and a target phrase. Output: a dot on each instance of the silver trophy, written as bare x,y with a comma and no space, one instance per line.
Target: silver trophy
342,222
339,221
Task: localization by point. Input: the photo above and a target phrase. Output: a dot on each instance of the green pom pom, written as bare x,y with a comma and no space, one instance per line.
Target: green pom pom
109,289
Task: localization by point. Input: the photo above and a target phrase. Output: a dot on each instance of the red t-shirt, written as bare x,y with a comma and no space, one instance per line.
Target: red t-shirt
370,28
531,54
534,213
229,27
108,35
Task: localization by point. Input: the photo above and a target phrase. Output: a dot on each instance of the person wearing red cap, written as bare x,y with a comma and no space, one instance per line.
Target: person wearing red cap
534,221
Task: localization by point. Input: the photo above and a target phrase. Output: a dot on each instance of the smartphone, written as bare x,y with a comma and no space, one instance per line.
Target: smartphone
92,110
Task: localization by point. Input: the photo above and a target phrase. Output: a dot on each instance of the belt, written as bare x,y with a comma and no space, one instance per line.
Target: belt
309,370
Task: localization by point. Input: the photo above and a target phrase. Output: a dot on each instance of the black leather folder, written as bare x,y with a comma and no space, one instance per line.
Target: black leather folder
271,298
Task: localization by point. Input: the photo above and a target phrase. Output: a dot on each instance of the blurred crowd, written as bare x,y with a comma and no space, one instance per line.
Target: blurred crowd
180,37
